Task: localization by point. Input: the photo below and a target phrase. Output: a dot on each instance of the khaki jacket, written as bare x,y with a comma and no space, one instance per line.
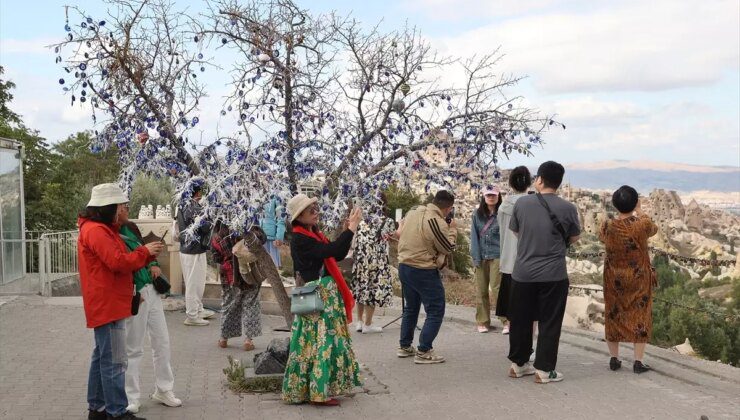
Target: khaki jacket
426,239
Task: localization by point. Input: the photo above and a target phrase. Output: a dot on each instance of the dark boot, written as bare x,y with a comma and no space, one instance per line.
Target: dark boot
96,415
126,416
615,364
639,367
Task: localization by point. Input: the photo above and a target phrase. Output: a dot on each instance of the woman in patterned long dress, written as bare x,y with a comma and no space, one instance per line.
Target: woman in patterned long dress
628,278
321,364
372,284
242,314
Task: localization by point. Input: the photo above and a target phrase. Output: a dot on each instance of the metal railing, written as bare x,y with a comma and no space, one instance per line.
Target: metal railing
32,241
57,258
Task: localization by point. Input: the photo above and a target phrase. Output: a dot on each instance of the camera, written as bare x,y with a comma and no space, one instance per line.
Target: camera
450,216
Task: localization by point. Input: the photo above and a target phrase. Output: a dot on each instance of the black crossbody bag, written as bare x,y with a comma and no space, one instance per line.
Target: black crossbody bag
558,226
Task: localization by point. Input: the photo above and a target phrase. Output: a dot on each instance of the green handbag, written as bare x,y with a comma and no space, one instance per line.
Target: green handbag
306,300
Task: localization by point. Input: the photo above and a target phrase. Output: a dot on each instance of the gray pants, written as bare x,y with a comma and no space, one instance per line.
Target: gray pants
241,312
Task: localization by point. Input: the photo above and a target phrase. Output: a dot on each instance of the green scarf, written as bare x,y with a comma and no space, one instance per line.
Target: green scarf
143,276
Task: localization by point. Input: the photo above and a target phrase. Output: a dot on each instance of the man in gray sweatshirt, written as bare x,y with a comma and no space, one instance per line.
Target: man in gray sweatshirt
545,225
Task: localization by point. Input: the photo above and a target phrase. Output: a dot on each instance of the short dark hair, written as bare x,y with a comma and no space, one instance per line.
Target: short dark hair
443,199
625,199
551,173
520,179
104,214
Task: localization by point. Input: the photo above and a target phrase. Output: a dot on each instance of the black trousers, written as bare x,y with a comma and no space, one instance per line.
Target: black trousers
543,301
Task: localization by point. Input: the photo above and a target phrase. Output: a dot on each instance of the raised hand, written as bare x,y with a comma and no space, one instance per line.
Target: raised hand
154,248
354,219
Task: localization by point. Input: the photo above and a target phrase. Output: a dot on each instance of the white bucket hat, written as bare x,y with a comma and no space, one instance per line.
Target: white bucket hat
297,204
106,194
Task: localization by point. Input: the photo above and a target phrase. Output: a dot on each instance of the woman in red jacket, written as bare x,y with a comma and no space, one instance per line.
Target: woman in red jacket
106,280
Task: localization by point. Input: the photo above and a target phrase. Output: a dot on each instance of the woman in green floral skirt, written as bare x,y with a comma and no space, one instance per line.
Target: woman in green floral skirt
321,364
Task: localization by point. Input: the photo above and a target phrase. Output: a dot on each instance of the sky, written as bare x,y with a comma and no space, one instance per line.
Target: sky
632,79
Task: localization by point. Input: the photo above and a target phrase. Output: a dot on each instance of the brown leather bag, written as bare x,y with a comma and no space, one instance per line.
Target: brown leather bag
247,261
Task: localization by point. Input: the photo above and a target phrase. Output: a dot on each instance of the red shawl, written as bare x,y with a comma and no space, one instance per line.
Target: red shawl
333,268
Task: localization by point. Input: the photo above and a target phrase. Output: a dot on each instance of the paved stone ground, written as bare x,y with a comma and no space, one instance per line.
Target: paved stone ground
45,350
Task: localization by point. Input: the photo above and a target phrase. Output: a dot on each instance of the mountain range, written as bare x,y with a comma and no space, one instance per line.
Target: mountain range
646,175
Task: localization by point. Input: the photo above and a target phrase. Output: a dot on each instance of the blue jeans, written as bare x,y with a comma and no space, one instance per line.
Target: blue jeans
106,383
421,286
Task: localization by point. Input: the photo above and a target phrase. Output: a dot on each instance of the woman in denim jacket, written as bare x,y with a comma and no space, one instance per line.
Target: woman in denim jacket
485,250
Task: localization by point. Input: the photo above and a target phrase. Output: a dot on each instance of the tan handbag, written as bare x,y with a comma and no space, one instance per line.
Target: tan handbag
247,260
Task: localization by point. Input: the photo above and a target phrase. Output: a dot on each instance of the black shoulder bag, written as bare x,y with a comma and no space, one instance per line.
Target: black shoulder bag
558,226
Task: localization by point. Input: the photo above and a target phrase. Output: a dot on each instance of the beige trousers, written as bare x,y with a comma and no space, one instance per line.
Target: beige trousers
486,276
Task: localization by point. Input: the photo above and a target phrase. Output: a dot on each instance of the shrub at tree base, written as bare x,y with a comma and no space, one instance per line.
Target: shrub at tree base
237,381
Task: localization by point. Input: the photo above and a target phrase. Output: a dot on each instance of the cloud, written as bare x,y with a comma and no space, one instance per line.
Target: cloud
457,10
26,46
677,131
639,46
588,111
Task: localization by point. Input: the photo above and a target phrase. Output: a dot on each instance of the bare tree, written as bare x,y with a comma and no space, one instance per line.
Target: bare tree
318,99
356,109
135,69
403,102
285,86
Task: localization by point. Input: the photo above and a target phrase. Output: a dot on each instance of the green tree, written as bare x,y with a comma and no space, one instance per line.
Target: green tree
75,171
148,190
400,198
7,117
37,158
679,313
713,260
461,261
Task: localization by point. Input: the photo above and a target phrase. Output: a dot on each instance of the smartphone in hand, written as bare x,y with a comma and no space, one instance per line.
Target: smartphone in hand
450,216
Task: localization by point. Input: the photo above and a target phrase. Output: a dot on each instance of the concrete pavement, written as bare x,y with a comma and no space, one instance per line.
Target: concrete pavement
45,351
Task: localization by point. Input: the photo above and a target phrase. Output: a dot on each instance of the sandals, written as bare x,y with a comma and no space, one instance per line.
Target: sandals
248,345
331,402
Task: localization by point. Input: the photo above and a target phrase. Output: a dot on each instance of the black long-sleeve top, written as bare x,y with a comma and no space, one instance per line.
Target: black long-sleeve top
308,254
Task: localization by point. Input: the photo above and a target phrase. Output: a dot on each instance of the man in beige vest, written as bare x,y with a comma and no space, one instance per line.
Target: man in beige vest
427,238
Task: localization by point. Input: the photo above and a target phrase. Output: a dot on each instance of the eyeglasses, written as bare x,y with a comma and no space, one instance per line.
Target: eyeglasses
313,210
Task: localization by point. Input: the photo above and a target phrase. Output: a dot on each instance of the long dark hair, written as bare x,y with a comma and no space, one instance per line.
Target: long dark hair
104,214
483,207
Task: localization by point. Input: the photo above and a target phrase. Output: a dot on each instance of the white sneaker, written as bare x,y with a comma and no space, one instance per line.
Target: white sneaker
206,313
133,407
517,371
196,322
371,329
505,331
358,326
542,377
167,398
